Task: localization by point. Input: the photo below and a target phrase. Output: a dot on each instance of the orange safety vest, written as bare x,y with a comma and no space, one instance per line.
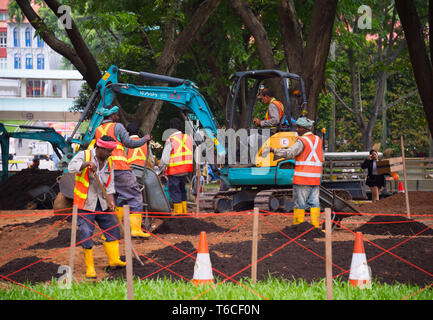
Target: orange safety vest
280,109
82,182
118,156
181,157
308,165
137,155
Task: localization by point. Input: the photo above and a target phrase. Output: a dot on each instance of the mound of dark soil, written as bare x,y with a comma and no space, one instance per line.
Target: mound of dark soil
63,240
420,202
14,190
283,259
394,225
37,272
188,226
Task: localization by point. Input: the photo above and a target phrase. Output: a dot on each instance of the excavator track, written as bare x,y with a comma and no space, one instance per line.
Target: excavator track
274,200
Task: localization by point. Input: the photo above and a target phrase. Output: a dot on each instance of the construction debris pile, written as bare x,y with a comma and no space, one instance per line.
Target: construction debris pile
14,191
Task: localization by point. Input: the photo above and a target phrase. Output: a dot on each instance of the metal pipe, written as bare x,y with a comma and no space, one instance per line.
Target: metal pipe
349,155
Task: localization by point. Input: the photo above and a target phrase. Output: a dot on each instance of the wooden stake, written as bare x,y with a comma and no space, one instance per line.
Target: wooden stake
328,249
406,190
254,247
73,240
198,176
128,253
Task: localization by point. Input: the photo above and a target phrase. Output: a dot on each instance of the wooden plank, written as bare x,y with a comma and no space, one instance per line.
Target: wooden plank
405,179
328,253
73,240
254,246
128,254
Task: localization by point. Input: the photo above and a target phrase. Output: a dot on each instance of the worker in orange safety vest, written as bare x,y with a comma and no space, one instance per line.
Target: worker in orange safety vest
127,189
89,199
308,154
177,163
138,156
274,113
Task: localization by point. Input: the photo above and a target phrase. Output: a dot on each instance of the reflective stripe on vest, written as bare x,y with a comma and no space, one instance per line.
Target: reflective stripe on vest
137,155
280,109
118,156
181,157
82,182
308,169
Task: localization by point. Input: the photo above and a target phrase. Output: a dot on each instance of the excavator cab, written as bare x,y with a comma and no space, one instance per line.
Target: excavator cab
243,104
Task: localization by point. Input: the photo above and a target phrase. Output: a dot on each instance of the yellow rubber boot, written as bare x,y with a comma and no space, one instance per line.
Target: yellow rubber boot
112,251
177,208
298,216
315,216
135,220
184,207
88,260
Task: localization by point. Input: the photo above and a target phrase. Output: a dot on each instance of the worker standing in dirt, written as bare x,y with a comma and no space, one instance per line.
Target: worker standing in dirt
308,154
177,162
275,111
90,200
138,155
374,180
127,189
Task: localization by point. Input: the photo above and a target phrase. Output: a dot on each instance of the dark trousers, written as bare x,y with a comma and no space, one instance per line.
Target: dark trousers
86,226
176,188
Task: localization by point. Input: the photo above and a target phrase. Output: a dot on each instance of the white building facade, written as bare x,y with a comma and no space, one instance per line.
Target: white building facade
33,82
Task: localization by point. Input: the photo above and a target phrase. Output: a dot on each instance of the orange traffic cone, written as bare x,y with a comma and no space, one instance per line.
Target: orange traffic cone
203,266
400,187
360,274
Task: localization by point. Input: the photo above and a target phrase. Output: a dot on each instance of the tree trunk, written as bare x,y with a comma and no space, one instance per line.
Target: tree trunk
421,63
173,51
316,51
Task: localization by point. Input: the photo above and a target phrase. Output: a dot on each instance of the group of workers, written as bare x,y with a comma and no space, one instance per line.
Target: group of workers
104,179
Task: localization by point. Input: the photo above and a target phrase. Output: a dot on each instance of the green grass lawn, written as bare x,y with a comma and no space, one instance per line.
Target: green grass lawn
165,289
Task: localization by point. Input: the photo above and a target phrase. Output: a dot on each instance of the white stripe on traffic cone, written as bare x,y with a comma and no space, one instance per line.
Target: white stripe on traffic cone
203,266
360,273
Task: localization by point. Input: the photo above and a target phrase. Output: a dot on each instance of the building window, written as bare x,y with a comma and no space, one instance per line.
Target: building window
16,38
10,87
3,39
40,41
3,16
40,62
28,37
35,88
74,88
3,63
44,88
17,61
29,61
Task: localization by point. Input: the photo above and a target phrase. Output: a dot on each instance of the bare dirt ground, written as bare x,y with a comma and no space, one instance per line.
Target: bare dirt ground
35,243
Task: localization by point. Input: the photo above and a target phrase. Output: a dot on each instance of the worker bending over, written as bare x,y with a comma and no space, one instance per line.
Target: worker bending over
177,162
90,200
308,154
125,183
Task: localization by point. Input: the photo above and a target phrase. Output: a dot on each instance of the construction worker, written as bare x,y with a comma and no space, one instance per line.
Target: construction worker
127,189
177,162
275,111
138,155
89,198
308,154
